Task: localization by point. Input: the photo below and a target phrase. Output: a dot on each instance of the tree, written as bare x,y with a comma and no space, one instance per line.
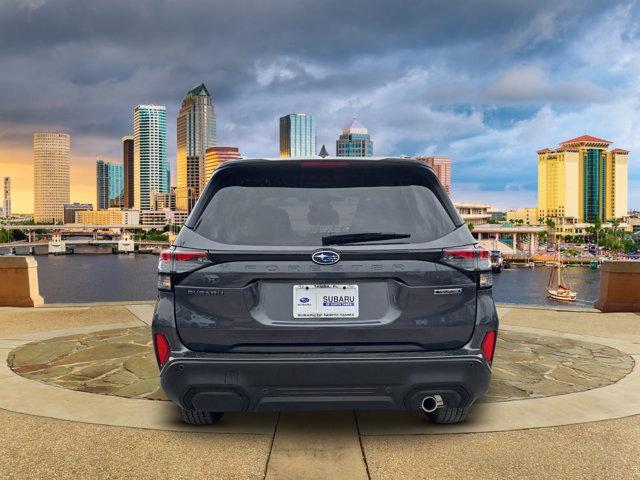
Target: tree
470,226
550,226
542,236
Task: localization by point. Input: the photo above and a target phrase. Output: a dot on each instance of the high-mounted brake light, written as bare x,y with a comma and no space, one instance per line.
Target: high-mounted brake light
325,164
489,345
162,348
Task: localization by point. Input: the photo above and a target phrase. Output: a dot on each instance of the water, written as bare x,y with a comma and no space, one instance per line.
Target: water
100,278
526,286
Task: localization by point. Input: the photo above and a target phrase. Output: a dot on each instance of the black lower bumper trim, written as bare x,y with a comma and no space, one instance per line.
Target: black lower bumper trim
282,384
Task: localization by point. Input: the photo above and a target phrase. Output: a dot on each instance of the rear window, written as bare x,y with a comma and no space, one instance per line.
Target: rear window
290,205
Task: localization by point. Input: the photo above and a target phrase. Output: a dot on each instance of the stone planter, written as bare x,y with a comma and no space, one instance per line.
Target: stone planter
619,287
19,282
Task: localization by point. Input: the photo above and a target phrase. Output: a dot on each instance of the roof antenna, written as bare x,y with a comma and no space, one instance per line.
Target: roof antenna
323,152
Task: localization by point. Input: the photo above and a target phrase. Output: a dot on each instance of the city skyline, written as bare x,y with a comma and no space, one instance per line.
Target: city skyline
485,97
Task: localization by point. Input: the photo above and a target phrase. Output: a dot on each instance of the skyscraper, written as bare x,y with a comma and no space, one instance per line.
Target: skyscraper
442,167
116,184
51,157
582,181
354,141
196,131
6,205
151,168
127,162
297,135
102,185
217,155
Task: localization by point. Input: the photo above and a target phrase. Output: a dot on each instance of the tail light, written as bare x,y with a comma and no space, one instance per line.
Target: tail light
176,261
162,348
470,258
489,345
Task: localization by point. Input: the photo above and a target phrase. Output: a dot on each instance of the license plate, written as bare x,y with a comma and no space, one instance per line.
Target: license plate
325,301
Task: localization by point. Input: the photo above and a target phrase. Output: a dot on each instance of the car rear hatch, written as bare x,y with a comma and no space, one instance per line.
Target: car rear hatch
323,256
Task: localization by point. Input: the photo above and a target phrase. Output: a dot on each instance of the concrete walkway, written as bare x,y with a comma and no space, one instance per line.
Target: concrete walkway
339,444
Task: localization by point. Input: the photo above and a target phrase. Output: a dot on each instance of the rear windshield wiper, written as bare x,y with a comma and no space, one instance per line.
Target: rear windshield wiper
361,237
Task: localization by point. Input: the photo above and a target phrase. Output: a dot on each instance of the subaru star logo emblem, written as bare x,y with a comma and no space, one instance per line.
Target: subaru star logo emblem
325,257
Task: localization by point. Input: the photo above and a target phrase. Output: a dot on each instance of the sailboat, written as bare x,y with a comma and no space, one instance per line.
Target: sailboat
556,287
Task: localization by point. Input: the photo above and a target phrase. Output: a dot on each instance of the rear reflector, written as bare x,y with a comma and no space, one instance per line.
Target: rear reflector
489,345
163,350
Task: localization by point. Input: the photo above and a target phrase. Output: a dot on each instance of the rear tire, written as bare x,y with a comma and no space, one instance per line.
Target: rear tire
197,417
448,415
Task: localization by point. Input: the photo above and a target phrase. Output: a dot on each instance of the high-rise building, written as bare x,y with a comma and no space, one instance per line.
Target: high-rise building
196,131
116,184
354,141
70,210
6,204
582,181
217,155
51,158
127,162
102,185
164,201
151,168
442,167
297,135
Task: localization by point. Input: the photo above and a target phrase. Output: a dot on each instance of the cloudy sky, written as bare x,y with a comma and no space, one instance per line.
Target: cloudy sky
486,83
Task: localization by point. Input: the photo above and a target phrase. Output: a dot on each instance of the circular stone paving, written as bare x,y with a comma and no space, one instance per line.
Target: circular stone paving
121,362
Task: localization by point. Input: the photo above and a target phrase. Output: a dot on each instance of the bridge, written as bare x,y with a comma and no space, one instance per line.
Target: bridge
79,227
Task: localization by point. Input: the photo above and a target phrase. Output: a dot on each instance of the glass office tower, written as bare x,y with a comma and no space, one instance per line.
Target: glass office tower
297,135
151,167
196,131
354,141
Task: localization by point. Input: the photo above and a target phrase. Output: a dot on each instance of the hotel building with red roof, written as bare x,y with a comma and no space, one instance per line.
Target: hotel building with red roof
581,181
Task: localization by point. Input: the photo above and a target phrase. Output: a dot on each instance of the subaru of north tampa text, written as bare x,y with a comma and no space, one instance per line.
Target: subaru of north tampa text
324,284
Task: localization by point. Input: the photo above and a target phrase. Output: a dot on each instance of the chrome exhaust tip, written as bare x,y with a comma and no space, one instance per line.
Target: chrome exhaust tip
431,403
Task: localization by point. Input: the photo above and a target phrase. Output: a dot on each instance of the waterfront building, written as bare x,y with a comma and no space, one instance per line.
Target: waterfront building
442,167
160,218
163,201
150,165
127,162
111,216
354,141
70,210
581,181
529,216
297,135
473,213
196,131
217,155
51,159
6,203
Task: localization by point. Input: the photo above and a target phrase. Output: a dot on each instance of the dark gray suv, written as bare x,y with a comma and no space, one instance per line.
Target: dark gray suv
314,284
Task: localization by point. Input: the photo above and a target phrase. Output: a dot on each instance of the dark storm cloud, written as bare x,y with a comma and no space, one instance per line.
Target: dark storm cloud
419,74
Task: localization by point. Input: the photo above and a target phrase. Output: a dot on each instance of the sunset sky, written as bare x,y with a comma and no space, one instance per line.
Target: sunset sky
486,83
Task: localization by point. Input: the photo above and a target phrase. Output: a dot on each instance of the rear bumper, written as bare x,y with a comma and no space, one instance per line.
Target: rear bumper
323,382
